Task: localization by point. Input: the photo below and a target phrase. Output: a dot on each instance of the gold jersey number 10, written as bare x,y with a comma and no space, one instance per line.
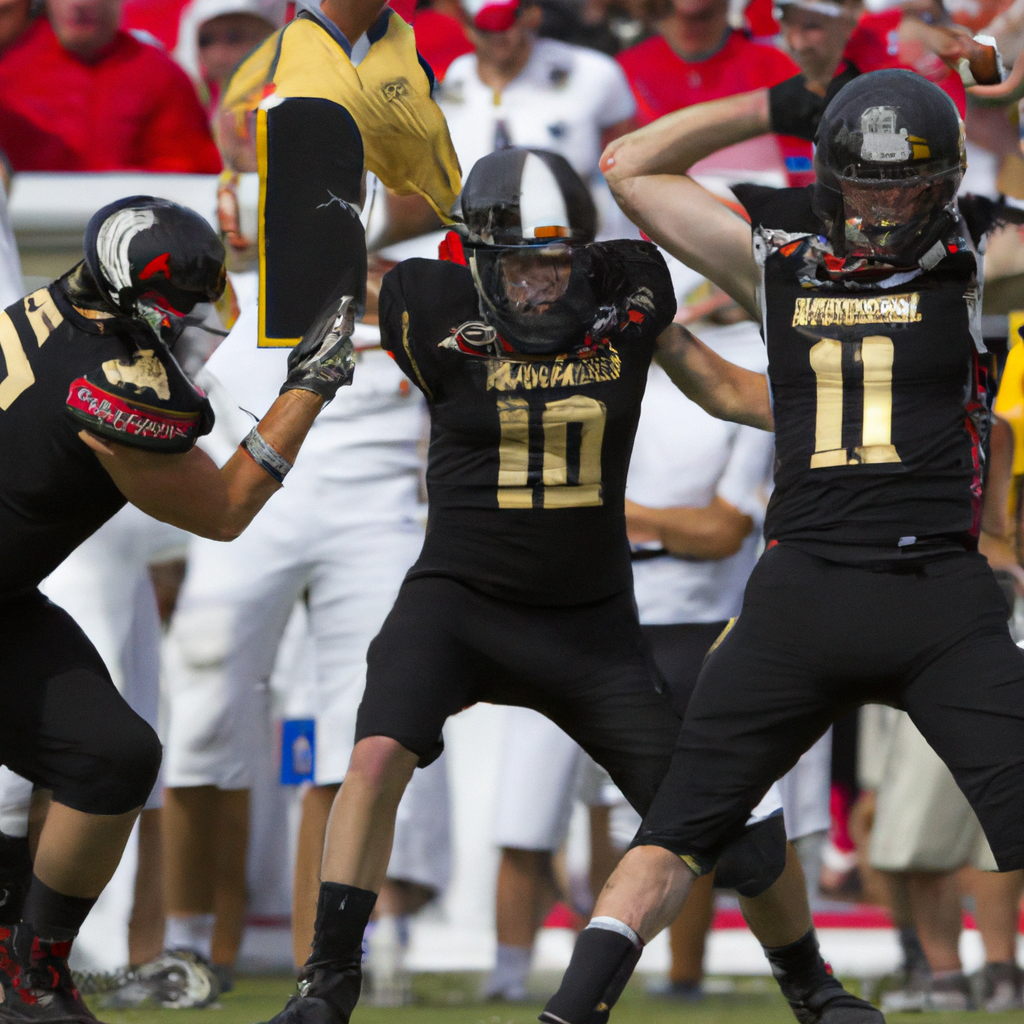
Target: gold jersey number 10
568,426
875,354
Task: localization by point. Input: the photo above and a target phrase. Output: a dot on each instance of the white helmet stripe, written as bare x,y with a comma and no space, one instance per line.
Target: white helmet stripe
541,202
113,239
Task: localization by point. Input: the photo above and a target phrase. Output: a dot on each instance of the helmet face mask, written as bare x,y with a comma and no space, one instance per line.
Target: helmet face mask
535,278
526,221
889,159
886,220
540,299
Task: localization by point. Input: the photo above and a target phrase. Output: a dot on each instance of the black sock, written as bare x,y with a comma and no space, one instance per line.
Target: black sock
15,876
798,967
342,913
53,916
601,964
914,960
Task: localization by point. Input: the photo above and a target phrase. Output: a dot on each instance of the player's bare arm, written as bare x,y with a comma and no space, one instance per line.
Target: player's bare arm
189,491
712,531
719,387
646,172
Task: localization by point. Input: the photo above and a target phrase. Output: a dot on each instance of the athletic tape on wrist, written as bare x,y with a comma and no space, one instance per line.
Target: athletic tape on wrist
269,460
611,924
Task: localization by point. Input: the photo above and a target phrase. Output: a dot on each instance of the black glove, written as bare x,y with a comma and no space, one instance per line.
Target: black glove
324,360
794,110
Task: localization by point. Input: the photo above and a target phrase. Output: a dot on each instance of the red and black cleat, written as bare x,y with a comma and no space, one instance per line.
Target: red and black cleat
36,981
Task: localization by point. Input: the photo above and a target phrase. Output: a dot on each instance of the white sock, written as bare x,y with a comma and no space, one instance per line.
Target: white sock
511,969
190,931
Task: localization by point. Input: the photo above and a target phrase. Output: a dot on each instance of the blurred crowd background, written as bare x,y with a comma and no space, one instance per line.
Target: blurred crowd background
513,832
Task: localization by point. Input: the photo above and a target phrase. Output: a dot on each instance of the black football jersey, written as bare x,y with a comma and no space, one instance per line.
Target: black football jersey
526,474
879,419
61,371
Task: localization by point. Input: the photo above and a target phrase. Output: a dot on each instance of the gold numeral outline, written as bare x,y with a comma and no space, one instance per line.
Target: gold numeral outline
875,353
556,488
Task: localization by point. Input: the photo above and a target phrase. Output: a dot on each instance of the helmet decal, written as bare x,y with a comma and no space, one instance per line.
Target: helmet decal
881,140
158,265
113,240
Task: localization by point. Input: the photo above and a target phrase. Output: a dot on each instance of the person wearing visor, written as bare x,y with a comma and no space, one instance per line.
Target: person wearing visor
95,412
531,343
871,588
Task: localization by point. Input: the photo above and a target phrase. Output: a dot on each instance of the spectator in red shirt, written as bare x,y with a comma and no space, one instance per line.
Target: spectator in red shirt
696,57
77,94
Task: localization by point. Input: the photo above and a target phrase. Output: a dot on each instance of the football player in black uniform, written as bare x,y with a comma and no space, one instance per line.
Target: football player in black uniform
531,344
871,589
95,411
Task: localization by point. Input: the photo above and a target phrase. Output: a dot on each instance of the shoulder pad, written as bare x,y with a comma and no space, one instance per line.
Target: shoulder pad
145,402
633,276
785,208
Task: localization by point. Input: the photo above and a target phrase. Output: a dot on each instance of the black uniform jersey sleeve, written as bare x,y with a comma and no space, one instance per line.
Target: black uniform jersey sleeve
636,273
312,235
770,207
145,401
397,333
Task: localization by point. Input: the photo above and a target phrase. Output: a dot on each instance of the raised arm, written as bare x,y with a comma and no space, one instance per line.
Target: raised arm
646,172
190,492
719,387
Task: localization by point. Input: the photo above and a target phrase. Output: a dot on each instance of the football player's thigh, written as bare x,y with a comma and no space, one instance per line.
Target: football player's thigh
757,706
425,664
679,652
350,595
969,705
605,692
537,780
63,718
219,653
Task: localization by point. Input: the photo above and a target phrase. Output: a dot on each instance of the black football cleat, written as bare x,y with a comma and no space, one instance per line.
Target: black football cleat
328,993
37,985
830,1003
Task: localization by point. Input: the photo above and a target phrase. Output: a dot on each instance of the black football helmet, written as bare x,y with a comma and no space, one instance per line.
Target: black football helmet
154,260
889,159
526,218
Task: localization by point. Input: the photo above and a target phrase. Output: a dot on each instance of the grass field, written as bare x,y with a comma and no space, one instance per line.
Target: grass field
448,999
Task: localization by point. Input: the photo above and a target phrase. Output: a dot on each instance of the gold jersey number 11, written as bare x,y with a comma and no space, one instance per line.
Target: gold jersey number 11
875,354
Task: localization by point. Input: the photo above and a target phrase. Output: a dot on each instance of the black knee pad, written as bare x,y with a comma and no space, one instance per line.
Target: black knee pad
116,772
753,862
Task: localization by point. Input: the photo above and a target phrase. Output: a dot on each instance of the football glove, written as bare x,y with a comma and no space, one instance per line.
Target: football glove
324,360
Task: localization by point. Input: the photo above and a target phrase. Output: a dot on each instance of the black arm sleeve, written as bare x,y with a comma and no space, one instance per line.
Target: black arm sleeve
311,235
396,336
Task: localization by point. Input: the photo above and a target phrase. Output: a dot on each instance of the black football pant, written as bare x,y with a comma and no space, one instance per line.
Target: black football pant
446,646
588,668
816,638
63,725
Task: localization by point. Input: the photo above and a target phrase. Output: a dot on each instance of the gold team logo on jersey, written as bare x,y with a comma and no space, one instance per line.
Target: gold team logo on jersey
144,371
563,372
884,309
